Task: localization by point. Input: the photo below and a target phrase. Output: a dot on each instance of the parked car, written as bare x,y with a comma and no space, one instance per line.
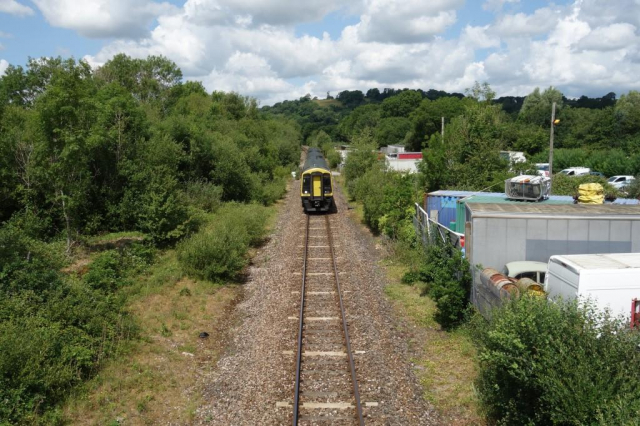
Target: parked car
598,174
535,271
621,181
576,171
543,169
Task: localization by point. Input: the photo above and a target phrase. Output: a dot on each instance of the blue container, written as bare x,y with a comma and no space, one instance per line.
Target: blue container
443,205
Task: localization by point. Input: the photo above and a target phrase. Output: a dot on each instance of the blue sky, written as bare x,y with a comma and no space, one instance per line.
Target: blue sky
275,50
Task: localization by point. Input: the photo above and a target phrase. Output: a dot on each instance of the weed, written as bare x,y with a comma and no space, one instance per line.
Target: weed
165,332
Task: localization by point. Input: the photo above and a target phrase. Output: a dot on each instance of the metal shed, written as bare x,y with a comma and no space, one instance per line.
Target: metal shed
447,207
502,233
441,205
496,234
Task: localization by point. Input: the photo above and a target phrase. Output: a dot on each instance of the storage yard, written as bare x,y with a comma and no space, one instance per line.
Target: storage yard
498,230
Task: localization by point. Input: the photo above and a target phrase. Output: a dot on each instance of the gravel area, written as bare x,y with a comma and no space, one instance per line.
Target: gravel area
258,369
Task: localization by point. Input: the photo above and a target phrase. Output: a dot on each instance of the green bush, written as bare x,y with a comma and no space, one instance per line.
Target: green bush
53,330
110,269
204,195
568,185
270,191
557,364
219,252
447,275
216,253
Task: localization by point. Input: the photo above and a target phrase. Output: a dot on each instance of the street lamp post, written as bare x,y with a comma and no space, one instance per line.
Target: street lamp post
553,123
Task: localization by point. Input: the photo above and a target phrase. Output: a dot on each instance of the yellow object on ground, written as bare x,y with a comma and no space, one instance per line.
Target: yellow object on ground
591,193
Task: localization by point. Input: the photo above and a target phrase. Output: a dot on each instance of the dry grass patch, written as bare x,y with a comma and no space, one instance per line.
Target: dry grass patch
155,380
327,102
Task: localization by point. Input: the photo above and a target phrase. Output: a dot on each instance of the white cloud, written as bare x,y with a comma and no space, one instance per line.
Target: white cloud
3,66
104,18
258,12
522,25
406,21
14,8
611,37
598,12
251,47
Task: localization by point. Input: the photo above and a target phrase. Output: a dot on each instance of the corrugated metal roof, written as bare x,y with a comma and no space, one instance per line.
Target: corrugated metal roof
600,261
502,199
471,196
555,209
450,193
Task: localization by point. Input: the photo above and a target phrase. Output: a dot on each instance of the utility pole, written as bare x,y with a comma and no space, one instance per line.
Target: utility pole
442,130
553,123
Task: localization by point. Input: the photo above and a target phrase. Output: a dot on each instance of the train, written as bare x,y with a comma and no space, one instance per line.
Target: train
316,184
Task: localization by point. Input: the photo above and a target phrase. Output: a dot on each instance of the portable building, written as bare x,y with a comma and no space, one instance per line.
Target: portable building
496,234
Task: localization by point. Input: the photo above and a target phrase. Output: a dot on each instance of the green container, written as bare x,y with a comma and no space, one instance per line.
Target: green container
461,211
452,225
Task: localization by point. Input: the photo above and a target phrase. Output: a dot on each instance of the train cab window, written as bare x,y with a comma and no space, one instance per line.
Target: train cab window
306,184
326,183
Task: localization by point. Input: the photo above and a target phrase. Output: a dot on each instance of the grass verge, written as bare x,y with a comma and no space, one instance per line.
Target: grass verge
155,379
445,361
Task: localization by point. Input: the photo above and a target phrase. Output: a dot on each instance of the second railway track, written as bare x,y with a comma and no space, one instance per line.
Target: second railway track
326,385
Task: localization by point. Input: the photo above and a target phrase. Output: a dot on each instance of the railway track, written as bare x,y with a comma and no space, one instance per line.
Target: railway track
326,386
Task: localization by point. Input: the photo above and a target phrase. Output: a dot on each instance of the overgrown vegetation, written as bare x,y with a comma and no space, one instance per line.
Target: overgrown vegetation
125,149
447,276
219,251
55,330
557,364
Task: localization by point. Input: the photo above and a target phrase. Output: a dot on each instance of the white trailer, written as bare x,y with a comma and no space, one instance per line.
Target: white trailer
611,280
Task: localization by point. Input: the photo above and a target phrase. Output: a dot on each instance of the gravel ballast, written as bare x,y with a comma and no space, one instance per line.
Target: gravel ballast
254,380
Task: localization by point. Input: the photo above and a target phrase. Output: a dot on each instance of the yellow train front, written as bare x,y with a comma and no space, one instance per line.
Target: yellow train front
316,183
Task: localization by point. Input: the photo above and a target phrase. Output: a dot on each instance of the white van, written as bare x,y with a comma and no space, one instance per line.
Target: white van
610,280
576,171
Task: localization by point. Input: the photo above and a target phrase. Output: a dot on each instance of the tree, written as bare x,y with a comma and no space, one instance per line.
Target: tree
469,157
351,98
481,92
401,105
364,116
426,119
392,130
66,111
360,159
627,112
536,108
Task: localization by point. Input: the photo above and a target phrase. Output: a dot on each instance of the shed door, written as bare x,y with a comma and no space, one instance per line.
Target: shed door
317,186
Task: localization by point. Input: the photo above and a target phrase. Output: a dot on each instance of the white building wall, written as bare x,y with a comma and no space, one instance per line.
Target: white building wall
407,166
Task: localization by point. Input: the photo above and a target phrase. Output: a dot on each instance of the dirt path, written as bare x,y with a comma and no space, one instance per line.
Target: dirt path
256,372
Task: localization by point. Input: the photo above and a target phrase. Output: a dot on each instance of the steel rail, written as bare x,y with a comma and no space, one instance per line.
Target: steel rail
352,367
296,397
